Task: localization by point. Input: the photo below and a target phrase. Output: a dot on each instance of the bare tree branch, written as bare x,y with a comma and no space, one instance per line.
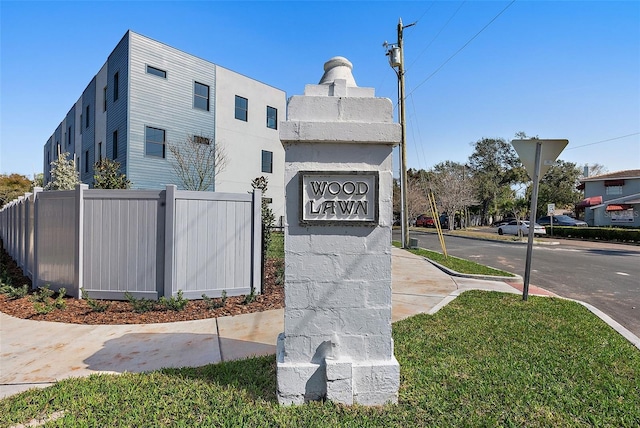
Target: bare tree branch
197,161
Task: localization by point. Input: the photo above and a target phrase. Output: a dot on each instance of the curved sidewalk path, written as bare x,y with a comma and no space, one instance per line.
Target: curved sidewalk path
38,353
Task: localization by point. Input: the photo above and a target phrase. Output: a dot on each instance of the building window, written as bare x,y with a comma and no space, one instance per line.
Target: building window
87,118
613,190
267,161
242,108
201,96
156,72
116,85
104,99
100,151
154,142
272,117
201,140
86,161
115,144
69,137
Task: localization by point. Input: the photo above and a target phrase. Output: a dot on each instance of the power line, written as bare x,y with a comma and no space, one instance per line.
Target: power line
604,141
460,50
436,36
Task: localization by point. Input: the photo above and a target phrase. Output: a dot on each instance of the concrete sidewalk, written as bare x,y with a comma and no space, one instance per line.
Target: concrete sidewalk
38,353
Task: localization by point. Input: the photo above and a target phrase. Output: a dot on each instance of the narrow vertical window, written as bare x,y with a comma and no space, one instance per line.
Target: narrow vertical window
87,117
201,96
86,161
116,85
272,117
267,161
154,142
104,99
242,108
100,151
69,137
115,144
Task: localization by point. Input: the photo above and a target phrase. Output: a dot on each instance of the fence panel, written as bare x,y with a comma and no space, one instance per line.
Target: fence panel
55,243
213,244
123,243
149,243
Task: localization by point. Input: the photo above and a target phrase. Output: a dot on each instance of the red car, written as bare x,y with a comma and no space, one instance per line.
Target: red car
425,221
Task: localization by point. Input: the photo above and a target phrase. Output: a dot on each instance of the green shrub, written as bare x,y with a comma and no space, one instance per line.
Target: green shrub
597,233
140,305
174,303
250,298
95,305
215,303
14,293
59,302
42,295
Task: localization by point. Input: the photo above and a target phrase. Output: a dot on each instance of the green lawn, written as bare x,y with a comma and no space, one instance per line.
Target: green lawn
486,359
456,264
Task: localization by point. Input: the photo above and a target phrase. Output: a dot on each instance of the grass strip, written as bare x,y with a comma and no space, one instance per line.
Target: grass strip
456,264
486,359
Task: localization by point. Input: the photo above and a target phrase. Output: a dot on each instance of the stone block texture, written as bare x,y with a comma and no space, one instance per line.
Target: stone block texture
337,342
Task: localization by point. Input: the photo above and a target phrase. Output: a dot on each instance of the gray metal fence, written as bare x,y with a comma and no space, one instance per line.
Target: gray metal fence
146,242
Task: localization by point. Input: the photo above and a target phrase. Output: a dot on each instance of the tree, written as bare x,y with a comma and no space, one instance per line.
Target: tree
593,169
417,200
197,161
268,218
495,167
452,187
38,180
107,175
64,175
559,186
13,186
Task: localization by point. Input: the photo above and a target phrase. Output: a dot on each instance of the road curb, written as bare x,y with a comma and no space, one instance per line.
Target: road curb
516,279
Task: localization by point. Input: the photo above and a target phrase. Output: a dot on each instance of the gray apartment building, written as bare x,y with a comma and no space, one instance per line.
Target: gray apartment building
148,94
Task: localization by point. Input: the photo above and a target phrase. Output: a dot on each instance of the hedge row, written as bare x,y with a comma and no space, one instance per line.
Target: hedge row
597,233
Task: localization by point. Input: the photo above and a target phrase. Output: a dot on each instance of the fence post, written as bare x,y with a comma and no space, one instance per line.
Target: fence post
31,232
256,251
169,234
24,233
79,244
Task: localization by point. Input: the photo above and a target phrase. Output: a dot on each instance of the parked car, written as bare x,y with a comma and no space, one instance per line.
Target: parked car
561,220
425,221
514,226
444,221
502,222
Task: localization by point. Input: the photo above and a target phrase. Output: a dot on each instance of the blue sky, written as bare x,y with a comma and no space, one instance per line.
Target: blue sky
555,69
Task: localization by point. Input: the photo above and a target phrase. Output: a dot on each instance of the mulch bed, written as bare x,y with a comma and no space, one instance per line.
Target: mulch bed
76,311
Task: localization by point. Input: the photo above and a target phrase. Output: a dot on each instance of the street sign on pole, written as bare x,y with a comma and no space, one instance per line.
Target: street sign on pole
551,208
537,156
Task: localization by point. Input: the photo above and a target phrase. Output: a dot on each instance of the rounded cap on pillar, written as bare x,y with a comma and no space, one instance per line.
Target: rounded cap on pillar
336,68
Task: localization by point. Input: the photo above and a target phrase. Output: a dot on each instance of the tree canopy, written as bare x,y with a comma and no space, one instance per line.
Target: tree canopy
64,175
107,175
495,166
13,186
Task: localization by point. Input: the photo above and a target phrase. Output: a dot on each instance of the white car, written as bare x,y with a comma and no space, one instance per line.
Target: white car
514,226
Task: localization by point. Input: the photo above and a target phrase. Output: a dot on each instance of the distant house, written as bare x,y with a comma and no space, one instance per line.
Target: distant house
611,199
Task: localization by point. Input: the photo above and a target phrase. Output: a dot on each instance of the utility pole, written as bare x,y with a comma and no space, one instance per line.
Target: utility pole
396,59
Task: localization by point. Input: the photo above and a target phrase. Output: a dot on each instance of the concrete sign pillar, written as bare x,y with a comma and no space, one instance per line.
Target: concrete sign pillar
337,342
